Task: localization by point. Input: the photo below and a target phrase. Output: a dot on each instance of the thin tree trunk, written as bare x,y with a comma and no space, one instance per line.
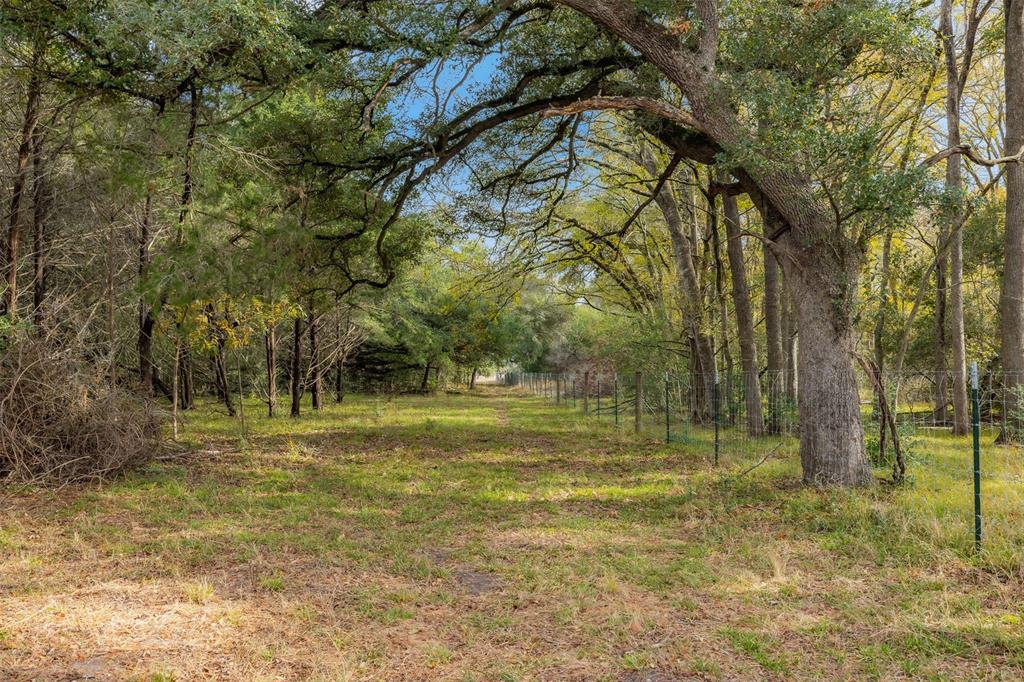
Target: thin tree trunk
725,392
883,304
40,216
744,317
221,376
773,334
954,189
21,173
702,362
146,320
296,369
270,347
174,386
790,331
315,371
472,380
426,379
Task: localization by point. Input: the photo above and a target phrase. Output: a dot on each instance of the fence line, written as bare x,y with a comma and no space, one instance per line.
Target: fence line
736,417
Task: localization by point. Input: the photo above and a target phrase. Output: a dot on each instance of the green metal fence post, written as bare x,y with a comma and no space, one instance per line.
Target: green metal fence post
586,393
668,427
615,397
715,414
639,402
574,392
558,389
597,413
976,432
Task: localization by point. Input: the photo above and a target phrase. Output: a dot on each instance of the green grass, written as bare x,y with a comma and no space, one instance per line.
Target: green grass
493,536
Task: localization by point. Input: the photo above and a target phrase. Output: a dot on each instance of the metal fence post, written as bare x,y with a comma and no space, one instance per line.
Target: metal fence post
668,427
615,396
586,393
638,405
597,412
976,432
716,413
558,389
574,392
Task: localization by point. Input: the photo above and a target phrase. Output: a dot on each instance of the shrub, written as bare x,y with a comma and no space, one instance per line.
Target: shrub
63,421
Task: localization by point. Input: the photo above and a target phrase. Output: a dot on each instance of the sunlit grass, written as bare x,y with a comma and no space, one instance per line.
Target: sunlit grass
465,525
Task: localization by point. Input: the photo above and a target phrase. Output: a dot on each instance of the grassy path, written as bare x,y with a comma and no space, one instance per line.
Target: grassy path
481,537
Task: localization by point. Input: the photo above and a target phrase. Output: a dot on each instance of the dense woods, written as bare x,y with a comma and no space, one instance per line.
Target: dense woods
235,198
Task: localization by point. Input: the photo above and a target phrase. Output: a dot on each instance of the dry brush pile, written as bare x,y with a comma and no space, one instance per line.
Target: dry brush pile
63,421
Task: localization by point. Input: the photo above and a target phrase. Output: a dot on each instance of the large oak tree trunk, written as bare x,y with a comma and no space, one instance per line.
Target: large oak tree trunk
1011,298
744,318
831,432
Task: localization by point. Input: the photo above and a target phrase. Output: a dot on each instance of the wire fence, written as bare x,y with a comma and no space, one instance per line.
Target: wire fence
961,456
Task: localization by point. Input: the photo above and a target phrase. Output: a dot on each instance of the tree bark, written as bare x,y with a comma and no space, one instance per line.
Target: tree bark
472,380
315,371
790,330
773,335
702,362
725,391
296,367
1011,298
186,394
12,253
831,432
270,348
744,318
954,190
146,320
40,217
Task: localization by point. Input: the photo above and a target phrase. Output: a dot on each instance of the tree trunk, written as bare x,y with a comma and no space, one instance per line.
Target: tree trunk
315,371
725,391
744,318
186,394
270,347
221,370
426,379
790,330
954,190
1011,298
472,380
702,361
40,216
146,320
831,433
773,334
296,367
13,247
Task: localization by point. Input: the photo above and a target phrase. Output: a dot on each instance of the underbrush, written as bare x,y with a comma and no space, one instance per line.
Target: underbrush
62,421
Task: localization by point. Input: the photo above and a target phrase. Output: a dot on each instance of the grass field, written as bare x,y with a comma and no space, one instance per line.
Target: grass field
494,537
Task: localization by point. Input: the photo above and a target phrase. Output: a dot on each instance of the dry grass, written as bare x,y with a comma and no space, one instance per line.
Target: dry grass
483,538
